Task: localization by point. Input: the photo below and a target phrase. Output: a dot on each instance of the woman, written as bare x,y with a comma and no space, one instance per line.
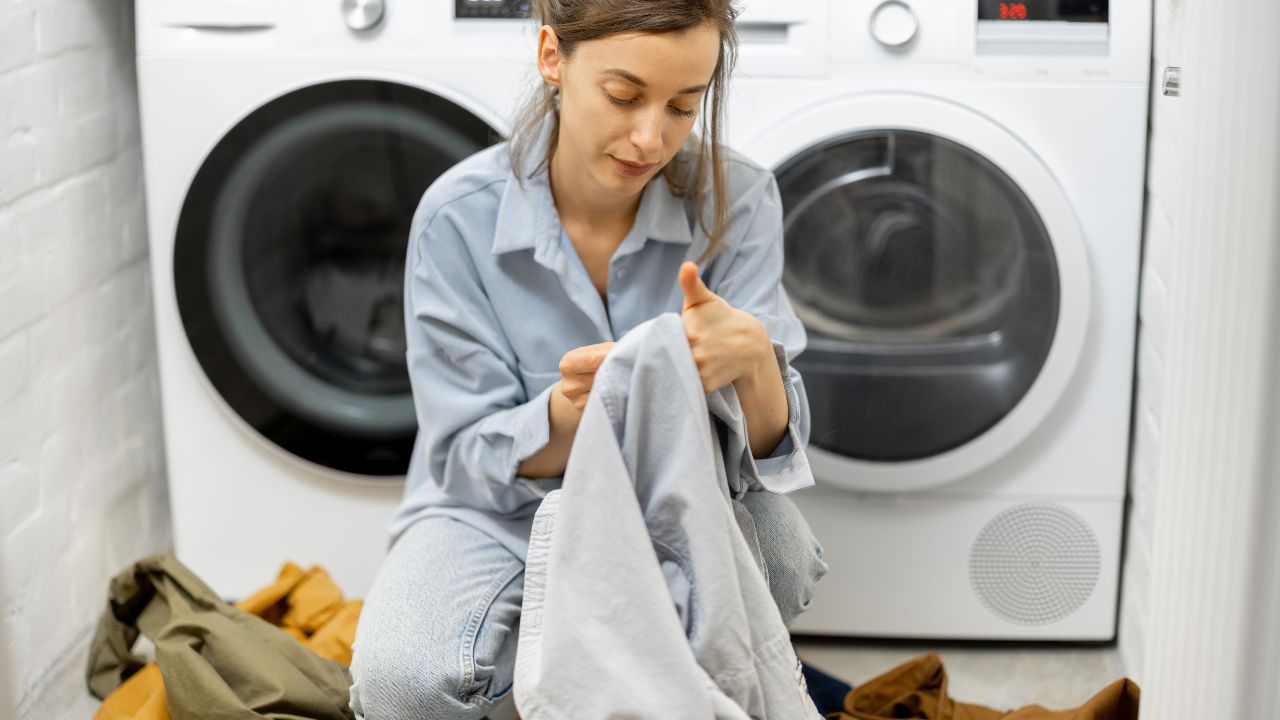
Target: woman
526,261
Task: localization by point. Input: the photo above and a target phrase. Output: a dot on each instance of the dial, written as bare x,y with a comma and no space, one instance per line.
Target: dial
894,23
362,14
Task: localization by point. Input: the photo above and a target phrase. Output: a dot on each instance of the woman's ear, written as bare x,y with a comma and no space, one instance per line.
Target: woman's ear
549,55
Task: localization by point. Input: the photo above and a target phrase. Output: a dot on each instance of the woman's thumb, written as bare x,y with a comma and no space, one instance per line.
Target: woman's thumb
695,291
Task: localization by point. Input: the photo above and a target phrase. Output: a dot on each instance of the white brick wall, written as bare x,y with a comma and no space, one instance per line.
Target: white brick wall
82,482
1162,166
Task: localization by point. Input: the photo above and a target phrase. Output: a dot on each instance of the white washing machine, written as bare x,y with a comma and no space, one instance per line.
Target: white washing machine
286,147
962,187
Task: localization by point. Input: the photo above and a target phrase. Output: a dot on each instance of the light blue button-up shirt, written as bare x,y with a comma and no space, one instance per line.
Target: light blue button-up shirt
495,295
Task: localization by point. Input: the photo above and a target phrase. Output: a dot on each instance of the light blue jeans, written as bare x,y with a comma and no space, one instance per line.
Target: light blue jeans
437,635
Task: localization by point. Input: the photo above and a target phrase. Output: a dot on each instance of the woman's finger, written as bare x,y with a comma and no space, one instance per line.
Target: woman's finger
595,355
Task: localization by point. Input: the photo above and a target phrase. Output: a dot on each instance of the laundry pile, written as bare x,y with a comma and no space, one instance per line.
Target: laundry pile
282,652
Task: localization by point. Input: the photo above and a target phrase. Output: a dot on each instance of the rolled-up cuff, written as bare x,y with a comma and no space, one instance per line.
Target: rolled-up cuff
786,468
532,433
531,429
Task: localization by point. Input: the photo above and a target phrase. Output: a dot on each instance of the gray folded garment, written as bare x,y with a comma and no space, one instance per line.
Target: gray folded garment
645,595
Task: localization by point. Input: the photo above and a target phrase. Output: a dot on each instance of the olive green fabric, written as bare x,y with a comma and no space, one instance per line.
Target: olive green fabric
217,661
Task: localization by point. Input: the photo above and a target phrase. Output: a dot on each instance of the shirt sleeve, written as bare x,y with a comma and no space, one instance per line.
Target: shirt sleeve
751,280
473,412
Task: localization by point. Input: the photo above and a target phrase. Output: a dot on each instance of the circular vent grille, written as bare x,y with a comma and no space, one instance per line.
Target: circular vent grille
1035,564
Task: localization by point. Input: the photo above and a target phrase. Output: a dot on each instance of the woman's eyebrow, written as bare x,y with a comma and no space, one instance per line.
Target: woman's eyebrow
629,77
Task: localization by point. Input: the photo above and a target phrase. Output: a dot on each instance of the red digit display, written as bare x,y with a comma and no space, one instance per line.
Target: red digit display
1073,11
1013,11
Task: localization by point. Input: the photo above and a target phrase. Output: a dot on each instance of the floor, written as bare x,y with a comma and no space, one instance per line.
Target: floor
997,675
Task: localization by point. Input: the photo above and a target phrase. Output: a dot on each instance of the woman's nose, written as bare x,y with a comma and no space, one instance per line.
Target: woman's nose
647,136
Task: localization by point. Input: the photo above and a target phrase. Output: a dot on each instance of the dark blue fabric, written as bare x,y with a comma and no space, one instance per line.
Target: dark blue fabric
828,693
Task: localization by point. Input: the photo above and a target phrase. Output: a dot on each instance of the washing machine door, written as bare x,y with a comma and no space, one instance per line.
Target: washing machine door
942,278
289,266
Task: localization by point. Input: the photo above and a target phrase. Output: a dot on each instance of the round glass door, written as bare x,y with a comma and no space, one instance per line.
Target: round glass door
289,265
928,285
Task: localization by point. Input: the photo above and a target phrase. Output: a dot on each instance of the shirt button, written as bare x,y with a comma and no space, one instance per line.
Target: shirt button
619,273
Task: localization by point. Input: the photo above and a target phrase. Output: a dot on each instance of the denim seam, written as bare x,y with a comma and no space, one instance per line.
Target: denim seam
471,631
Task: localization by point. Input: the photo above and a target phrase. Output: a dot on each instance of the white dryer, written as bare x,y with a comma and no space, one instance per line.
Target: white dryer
286,147
962,187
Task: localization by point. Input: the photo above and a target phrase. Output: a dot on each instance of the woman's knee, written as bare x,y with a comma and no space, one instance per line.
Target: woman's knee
389,683
448,668
436,637
791,552
799,582
793,579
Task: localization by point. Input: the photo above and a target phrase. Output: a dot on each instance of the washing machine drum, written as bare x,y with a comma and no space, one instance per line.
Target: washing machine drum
928,286
289,265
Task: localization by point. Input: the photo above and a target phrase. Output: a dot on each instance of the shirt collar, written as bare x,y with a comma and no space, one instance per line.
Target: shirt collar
527,215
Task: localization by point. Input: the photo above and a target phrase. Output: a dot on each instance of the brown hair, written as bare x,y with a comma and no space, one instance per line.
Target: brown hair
577,20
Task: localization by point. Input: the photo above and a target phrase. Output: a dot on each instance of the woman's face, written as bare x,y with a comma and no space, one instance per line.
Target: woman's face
629,100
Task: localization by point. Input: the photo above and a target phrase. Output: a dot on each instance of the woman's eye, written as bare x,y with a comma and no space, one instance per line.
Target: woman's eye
632,101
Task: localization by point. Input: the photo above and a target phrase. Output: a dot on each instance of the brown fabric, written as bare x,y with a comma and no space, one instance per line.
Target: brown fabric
918,689
222,661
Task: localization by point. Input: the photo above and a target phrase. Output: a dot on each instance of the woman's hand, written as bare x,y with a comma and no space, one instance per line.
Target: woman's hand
578,371
727,343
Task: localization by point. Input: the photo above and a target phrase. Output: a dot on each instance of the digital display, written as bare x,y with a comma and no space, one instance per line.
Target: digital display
1060,10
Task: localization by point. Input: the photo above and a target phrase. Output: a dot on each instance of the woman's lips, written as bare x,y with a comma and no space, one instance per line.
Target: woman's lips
629,169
